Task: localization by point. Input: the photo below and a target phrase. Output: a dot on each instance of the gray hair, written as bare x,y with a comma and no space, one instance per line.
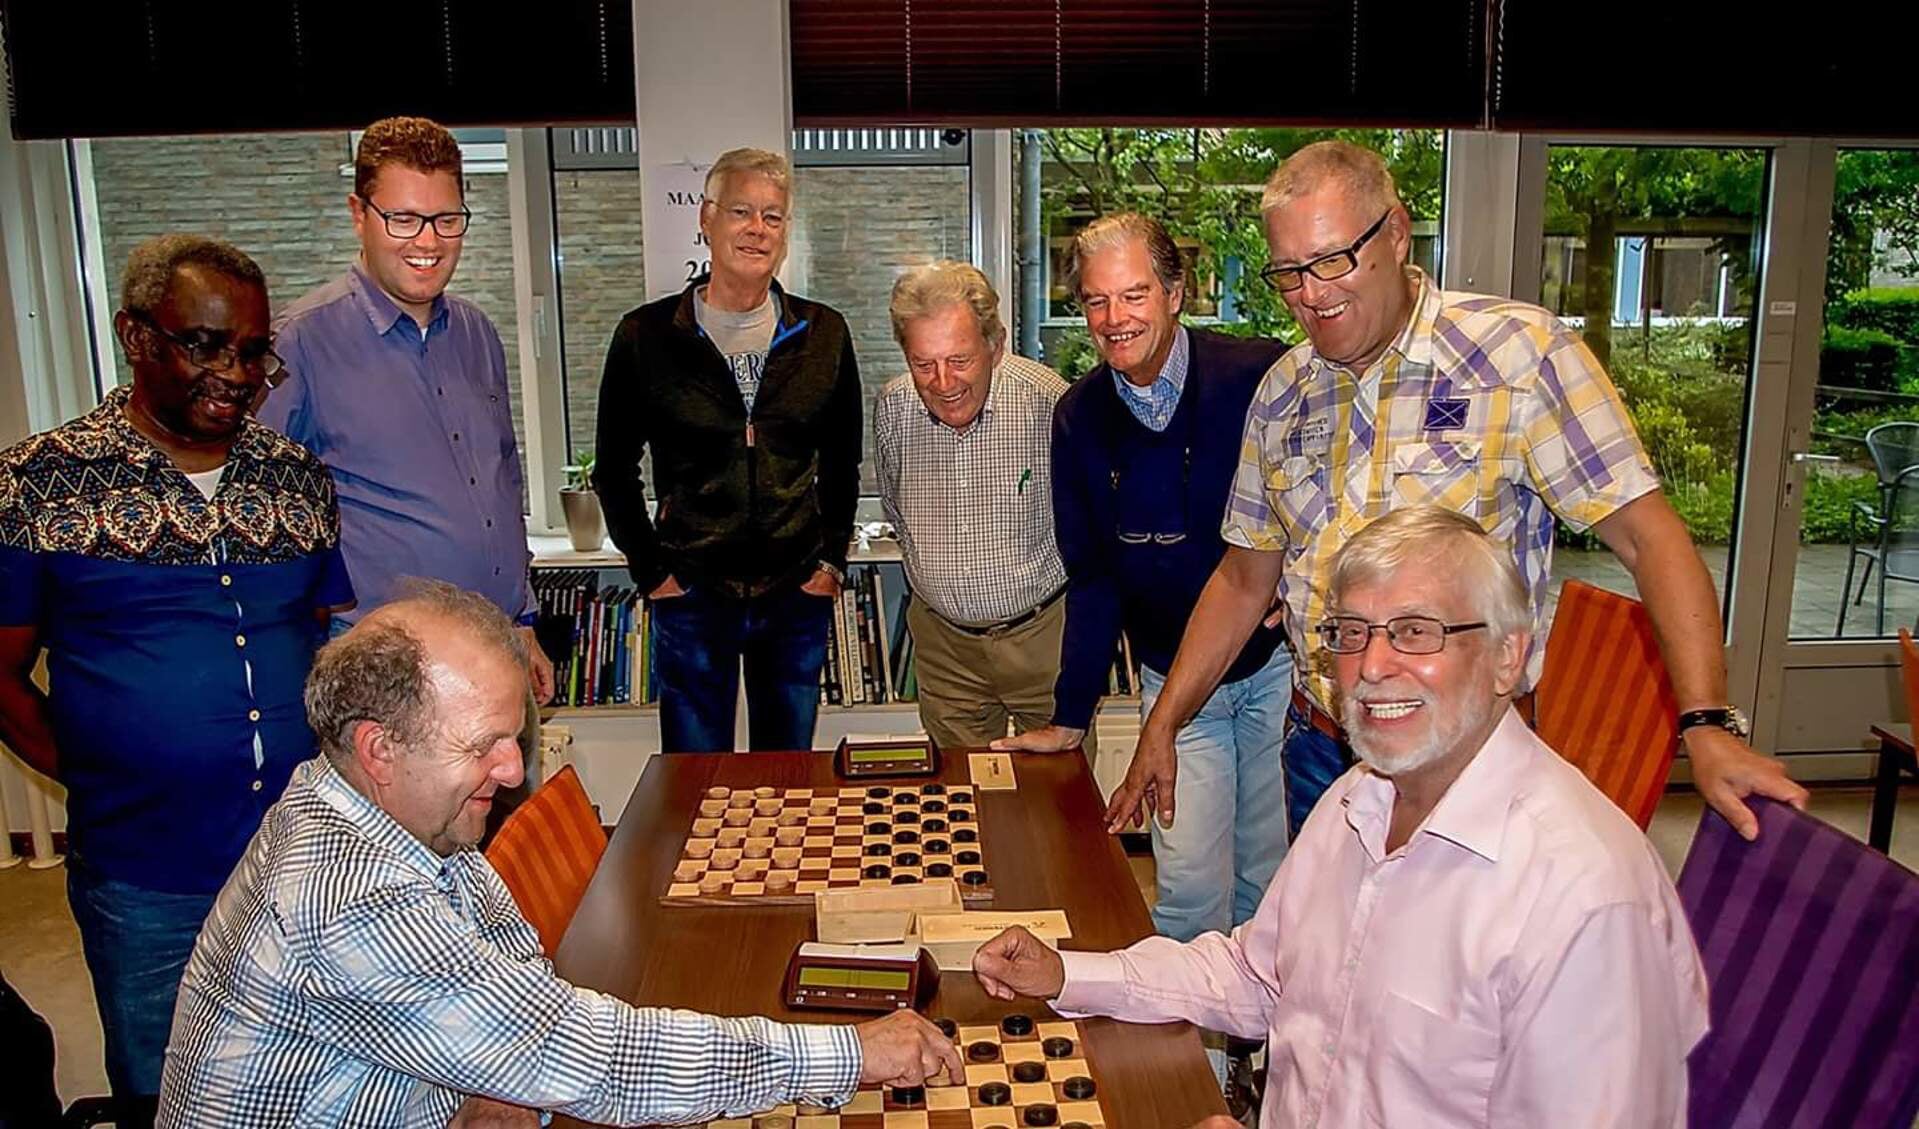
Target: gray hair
1119,228
380,670
1356,170
1426,537
760,162
934,287
152,265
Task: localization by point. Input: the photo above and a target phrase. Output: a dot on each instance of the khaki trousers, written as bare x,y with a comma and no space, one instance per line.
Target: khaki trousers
971,685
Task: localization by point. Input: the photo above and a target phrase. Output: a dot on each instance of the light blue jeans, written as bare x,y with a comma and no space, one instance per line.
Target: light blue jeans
1229,802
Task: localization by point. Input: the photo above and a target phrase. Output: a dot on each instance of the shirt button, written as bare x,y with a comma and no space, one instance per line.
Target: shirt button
472,482
489,523
239,640
253,715
226,582
456,437
442,391
256,785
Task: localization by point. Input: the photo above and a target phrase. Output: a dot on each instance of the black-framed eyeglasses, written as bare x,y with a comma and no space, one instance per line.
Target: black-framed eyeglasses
1333,264
406,225
1409,634
215,353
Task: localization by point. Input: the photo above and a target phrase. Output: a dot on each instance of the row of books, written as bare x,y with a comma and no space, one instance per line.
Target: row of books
601,642
600,639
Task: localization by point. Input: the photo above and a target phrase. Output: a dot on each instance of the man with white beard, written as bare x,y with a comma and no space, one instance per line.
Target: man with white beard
1466,932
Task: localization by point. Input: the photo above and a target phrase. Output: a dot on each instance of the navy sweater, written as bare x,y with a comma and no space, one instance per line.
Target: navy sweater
1122,493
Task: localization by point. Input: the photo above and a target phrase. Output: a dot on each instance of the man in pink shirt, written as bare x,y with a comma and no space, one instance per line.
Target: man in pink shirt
1466,931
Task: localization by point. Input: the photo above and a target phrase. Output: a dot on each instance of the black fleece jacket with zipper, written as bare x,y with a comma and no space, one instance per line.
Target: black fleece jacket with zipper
746,503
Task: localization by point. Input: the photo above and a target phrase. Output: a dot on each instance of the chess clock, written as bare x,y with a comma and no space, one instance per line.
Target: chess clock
878,978
905,756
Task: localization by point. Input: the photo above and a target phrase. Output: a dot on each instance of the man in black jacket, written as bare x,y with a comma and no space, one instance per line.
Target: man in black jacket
749,398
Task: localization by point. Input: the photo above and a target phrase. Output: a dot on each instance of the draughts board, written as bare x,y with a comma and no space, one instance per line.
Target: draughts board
993,1095
764,846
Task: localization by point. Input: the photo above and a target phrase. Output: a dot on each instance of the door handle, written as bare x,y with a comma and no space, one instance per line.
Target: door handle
1809,457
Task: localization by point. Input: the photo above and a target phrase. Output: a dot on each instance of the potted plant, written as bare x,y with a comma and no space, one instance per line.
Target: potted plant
584,525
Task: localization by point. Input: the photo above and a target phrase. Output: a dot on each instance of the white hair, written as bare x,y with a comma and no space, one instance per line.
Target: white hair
1354,169
760,162
1436,538
936,286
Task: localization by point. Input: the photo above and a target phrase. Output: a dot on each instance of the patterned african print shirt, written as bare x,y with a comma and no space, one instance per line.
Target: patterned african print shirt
1485,405
178,629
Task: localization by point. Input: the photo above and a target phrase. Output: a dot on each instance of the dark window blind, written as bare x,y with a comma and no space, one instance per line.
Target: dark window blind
1038,62
87,68
1705,66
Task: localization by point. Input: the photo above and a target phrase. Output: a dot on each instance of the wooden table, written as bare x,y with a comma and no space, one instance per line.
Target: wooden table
1895,755
1044,845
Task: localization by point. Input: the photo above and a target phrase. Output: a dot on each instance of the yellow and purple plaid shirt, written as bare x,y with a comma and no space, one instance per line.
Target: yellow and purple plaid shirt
1484,405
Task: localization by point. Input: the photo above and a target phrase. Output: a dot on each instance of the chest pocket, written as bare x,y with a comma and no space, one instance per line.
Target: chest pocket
1443,474
1301,496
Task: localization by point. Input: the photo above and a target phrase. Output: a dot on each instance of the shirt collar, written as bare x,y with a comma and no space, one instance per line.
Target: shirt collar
111,418
1172,373
364,814
1472,813
381,311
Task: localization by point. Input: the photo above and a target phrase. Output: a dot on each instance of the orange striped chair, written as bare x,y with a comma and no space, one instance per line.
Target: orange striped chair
546,853
1604,700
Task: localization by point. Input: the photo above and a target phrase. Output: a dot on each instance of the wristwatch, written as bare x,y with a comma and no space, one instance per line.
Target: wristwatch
1729,719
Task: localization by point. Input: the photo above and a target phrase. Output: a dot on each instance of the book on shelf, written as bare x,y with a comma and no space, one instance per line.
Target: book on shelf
863,666
600,639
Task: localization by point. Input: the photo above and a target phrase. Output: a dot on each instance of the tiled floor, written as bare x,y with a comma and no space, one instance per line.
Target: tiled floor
40,949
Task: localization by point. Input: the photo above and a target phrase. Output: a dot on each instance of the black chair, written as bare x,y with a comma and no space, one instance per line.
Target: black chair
1891,530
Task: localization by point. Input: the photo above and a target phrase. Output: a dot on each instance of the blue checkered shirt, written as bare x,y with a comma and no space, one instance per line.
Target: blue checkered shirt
349,976
1154,404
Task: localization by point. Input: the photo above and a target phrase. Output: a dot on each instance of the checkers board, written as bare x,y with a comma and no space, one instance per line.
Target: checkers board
1062,1092
775,846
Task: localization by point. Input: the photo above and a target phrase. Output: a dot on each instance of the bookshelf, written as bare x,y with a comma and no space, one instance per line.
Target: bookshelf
611,743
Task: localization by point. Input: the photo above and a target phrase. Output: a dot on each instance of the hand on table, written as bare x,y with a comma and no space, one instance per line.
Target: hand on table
1016,963
1149,780
1726,770
905,1049
1045,739
485,1113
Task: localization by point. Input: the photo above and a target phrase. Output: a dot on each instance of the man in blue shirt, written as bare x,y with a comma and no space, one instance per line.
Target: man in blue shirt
177,561
1140,478
401,390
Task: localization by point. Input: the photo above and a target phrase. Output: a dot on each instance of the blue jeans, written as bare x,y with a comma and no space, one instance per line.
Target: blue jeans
1229,803
1313,762
700,640
136,942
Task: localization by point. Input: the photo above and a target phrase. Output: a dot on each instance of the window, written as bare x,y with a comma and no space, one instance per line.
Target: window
1652,253
1857,515
1205,185
596,214
281,198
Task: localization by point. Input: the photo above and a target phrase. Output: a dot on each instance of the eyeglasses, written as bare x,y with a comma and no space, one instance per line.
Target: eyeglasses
1409,634
742,214
215,353
1334,264
407,225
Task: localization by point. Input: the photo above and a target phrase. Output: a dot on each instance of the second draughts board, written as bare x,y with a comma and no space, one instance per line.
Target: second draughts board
773,846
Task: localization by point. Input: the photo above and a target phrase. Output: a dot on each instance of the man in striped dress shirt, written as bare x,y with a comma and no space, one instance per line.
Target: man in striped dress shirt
963,443
365,966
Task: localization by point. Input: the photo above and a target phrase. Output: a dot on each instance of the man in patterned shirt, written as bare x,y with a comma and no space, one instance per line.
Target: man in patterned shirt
965,473
177,561
1405,394
365,966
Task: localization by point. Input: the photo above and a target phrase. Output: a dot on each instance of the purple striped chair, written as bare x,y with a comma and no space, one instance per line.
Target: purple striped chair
1811,946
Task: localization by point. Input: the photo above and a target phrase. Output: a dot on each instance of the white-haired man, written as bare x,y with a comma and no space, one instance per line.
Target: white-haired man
1402,394
365,966
963,442
1466,932
749,399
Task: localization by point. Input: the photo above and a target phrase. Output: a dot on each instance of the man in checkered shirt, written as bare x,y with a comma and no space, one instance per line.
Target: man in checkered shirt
365,966
963,444
1405,394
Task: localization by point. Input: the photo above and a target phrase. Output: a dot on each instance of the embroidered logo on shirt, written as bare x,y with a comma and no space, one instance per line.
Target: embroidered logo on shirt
1443,415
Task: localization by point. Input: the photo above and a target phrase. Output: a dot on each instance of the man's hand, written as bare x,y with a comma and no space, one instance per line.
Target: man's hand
485,1113
821,583
1726,770
668,589
1015,963
1149,780
539,668
903,1049
1045,739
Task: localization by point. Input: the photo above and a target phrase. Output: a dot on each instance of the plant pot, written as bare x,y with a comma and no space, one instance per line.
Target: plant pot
584,525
